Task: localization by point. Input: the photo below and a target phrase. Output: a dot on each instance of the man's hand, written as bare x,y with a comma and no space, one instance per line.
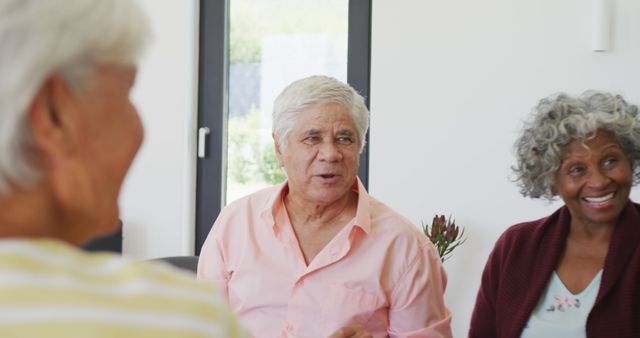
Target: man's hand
351,331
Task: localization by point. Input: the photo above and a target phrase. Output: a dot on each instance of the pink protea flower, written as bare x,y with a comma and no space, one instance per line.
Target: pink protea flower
444,234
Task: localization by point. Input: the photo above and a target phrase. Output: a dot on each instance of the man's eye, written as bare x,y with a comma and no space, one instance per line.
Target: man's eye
345,140
311,139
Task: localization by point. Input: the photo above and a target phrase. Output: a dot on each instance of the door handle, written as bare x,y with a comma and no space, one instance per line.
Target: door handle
203,132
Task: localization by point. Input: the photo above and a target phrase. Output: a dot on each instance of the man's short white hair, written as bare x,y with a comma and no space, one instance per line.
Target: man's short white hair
40,38
317,90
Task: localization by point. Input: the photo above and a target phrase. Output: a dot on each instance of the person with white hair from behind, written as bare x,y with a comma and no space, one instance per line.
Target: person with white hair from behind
68,134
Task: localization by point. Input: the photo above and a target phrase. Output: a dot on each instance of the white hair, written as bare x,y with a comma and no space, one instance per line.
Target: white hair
40,38
313,91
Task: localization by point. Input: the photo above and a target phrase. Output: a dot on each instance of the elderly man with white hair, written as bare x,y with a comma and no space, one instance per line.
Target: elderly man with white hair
68,134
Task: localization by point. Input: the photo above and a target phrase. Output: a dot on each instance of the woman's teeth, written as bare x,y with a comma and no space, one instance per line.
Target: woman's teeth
599,199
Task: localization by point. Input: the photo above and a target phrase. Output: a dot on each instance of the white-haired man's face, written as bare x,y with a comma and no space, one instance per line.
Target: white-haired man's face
322,155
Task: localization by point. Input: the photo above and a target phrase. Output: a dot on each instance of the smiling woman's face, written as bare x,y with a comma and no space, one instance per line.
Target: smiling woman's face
594,181
322,155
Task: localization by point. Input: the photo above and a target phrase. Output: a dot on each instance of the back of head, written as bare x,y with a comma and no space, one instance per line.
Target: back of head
41,38
317,90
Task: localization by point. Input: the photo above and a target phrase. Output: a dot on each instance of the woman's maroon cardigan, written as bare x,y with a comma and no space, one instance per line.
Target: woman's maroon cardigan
521,264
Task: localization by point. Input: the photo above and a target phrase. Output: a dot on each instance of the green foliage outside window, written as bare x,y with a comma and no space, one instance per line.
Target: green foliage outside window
269,167
249,163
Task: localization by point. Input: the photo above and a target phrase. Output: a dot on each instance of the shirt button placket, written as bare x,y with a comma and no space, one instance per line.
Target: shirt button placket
294,308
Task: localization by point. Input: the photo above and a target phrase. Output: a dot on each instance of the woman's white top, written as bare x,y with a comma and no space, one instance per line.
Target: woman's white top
559,313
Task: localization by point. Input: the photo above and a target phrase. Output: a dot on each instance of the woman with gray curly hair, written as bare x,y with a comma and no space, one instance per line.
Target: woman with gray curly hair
576,272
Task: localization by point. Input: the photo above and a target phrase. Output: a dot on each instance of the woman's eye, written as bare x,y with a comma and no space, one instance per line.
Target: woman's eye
610,162
575,170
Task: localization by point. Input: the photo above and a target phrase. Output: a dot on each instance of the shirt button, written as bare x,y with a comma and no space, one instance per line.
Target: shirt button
289,328
300,283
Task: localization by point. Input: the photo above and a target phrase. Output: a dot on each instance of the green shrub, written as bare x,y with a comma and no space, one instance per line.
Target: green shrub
247,162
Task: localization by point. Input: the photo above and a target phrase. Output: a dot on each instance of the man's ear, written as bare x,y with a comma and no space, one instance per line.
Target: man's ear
276,140
52,117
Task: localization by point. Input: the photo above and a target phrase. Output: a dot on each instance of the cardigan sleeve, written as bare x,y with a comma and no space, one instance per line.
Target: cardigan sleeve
483,319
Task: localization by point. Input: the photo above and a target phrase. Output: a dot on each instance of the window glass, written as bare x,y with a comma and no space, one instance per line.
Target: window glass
272,43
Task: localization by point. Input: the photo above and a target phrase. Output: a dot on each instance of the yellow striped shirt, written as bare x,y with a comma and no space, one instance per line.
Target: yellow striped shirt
50,289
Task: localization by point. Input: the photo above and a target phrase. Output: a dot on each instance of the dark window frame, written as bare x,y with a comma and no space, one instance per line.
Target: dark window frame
212,96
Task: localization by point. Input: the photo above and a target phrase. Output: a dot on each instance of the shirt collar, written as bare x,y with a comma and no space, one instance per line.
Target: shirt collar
363,213
275,202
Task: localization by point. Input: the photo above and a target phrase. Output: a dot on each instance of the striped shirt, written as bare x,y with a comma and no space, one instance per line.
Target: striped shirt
50,289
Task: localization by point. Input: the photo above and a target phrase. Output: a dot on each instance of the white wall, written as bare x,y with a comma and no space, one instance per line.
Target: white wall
450,83
157,203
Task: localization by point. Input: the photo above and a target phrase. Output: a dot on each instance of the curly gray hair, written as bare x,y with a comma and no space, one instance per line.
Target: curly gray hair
559,119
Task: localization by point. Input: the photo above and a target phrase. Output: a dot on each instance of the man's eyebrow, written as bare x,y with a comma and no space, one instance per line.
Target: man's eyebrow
346,132
311,132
